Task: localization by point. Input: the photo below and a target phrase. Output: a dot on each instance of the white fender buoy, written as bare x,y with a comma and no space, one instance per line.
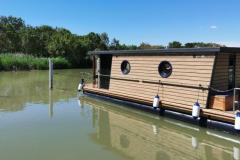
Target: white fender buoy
196,110
156,102
237,121
81,85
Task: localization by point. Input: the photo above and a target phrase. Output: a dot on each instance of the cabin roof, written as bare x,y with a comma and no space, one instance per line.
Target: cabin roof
169,51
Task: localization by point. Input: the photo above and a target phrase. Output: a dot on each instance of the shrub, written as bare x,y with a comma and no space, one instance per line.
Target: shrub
27,62
60,62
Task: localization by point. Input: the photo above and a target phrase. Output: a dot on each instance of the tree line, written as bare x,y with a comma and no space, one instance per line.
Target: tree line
46,41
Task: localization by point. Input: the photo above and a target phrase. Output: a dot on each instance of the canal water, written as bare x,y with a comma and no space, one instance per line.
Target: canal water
38,124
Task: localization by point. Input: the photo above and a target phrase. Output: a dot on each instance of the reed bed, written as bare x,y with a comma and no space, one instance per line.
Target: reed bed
10,61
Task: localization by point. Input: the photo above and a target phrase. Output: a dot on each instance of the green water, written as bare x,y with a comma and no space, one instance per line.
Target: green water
36,124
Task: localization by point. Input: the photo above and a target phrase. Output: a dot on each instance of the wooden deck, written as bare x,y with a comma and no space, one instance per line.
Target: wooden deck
213,114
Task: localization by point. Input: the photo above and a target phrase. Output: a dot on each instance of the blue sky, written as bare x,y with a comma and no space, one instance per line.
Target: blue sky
136,21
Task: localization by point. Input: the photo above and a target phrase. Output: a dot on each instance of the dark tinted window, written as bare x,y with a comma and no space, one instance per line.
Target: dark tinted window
125,67
165,69
231,71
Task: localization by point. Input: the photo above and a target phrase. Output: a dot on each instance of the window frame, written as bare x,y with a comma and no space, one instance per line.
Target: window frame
125,71
162,71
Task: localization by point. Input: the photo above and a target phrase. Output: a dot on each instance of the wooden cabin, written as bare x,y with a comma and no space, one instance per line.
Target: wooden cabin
179,76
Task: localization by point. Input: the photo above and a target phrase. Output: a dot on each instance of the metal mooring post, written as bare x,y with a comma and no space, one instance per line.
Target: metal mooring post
50,73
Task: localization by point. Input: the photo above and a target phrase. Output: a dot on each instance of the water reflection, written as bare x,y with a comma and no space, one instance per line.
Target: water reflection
137,135
50,103
57,125
19,88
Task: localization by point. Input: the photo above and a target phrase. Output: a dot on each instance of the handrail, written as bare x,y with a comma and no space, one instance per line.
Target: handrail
172,84
156,82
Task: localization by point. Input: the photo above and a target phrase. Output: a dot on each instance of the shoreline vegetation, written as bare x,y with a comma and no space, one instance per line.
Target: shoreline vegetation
26,47
15,62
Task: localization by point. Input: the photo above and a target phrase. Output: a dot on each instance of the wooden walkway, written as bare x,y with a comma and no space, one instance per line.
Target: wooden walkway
213,114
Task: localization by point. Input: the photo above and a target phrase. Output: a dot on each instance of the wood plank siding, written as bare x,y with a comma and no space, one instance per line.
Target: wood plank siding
180,89
237,71
220,76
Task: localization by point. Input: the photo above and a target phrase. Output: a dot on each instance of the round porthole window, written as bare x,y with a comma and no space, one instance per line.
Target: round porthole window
165,69
125,67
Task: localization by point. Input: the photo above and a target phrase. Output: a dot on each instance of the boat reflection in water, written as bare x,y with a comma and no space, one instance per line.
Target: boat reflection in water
134,134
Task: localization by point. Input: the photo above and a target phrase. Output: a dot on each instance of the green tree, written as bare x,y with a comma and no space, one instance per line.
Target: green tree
115,44
35,40
190,45
78,53
60,43
44,34
202,44
45,41
95,41
174,44
148,46
10,28
65,44
29,41
104,43
144,46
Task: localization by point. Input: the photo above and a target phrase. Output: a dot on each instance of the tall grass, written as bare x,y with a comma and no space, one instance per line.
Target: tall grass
27,62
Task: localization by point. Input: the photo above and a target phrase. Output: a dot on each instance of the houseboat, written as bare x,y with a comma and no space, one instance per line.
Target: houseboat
202,82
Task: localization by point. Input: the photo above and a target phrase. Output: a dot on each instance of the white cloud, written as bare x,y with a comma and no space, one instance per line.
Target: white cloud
213,27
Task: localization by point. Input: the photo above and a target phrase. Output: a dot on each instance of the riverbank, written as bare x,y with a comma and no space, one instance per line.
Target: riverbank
9,62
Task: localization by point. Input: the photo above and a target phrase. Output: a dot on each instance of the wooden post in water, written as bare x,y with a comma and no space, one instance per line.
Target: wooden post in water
50,73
